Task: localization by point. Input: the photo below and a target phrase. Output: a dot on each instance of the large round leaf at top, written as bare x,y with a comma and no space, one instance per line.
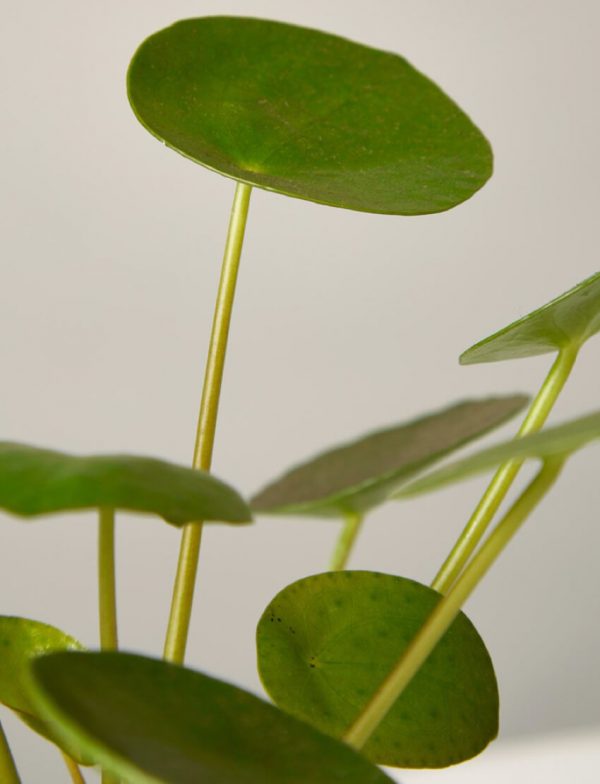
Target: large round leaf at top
149,722
566,321
307,114
327,642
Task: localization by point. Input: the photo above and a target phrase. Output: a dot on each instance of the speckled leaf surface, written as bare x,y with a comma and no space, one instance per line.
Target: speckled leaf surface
37,481
327,642
307,114
568,320
360,475
554,442
22,640
148,721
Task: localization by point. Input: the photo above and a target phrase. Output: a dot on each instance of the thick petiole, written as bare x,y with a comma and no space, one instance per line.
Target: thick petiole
73,769
448,608
345,543
185,580
107,600
505,475
8,770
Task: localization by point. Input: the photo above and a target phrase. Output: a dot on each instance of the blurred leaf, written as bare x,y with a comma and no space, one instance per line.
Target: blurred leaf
327,642
556,441
568,320
39,481
148,721
360,475
21,640
307,114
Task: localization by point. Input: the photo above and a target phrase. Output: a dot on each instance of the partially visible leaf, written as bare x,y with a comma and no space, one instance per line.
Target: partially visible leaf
21,641
557,441
147,721
40,481
307,114
568,320
327,642
360,475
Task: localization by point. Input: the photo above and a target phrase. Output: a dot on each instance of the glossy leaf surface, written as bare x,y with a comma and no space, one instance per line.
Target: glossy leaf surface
22,640
553,442
326,643
307,114
360,475
148,721
568,320
40,481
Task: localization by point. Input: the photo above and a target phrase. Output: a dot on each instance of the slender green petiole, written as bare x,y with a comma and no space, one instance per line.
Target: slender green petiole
352,525
505,475
73,769
8,770
449,606
183,592
107,600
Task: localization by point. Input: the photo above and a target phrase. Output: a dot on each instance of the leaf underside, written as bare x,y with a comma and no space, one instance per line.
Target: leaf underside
148,721
568,320
554,442
358,476
40,481
307,114
327,642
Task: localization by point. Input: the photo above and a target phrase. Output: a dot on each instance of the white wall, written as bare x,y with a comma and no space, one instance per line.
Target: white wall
344,322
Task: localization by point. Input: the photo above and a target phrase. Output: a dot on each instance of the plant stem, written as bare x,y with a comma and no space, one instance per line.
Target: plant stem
345,543
73,769
8,770
183,592
449,606
505,475
107,599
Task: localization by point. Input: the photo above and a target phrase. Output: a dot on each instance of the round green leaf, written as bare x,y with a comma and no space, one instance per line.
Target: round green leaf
148,722
568,320
557,441
358,476
40,481
21,641
307,114
326,643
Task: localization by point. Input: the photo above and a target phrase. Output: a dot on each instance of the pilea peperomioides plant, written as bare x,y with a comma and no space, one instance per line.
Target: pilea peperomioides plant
364,668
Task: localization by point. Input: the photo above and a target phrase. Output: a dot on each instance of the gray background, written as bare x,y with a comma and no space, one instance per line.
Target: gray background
344,322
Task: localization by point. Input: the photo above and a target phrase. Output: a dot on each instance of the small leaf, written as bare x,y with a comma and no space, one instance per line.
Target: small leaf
360,475
21,641
569,320
557,441
327,642
307,114
148,721
39,481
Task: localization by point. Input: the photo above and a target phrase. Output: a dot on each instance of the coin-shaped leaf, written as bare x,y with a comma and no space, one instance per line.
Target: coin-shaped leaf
40,481
569,320
326,643
307,114
148,721
360,475
555,442
22,640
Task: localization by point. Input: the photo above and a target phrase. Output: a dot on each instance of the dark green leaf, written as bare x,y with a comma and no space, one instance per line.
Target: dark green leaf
22,640
39,481
364,473
148,722
556,441
307,114
569,320
326,643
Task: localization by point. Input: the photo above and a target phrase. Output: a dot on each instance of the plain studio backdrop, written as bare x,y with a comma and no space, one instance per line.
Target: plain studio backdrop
344,322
